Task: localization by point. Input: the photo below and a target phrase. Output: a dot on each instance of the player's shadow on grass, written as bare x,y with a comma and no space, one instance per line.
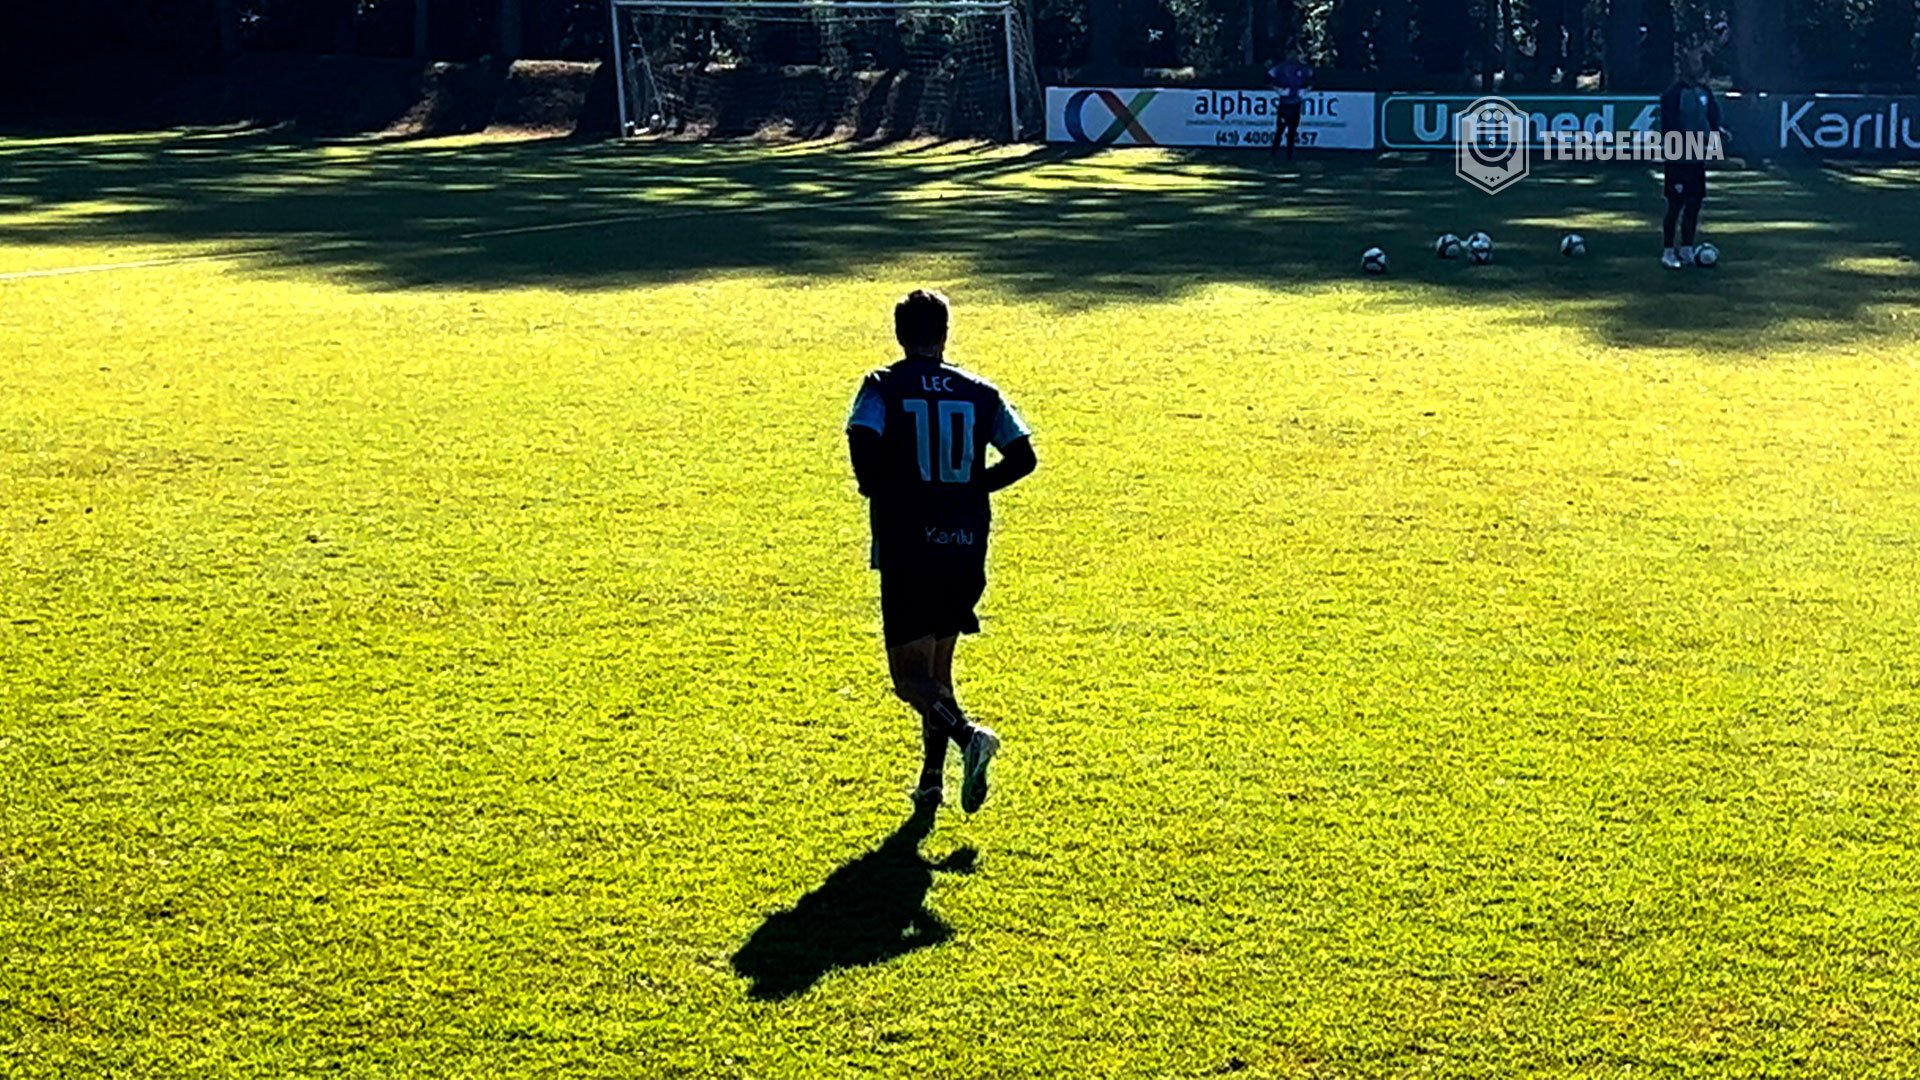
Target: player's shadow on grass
869,911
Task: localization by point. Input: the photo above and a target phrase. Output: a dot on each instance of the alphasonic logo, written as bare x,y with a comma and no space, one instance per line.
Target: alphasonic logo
1490,144
1123,117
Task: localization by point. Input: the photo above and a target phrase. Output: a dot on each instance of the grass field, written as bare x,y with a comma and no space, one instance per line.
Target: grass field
436,654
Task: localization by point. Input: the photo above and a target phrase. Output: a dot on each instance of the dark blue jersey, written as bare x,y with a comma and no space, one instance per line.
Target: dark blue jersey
1290,77
929,500
1689,107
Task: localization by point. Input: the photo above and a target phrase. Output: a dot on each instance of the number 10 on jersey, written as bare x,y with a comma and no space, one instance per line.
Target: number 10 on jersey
955,461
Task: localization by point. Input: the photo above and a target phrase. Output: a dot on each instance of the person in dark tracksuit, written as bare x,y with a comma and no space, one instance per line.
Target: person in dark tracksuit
1688,107
1289,80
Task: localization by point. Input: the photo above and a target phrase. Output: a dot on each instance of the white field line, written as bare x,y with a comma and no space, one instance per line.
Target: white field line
833,204
523,230
234,254
137,264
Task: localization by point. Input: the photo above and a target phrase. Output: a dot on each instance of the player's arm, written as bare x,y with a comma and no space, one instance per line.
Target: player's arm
864,426
1670,110
1014,439
1017,462
863,445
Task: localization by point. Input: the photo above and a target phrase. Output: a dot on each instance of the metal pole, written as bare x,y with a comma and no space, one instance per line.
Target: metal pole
1013,83
619,65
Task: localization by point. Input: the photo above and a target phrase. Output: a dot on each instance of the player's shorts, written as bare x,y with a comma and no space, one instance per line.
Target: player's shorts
1289,114
931,601
1686,181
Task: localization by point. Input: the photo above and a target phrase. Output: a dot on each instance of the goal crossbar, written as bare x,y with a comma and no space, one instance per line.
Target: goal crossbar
754,7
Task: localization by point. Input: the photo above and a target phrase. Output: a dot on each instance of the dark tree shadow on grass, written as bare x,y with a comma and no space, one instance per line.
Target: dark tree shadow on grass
867,912
1060,225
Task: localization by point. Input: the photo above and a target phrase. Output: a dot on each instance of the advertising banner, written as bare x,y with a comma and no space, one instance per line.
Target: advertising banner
1427,121
1824,125
1108,116
1762,125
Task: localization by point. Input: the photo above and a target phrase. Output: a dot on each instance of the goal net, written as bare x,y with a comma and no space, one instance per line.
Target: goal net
959,69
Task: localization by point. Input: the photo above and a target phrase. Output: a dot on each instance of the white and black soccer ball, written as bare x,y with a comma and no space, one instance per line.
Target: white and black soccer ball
1706,256
1448,246
1480,248
1573,245
1374,261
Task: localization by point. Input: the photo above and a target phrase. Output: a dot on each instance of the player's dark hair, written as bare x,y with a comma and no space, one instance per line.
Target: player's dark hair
920,320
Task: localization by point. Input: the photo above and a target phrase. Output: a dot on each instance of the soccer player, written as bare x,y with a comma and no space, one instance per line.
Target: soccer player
1687,106
1290,80
919,434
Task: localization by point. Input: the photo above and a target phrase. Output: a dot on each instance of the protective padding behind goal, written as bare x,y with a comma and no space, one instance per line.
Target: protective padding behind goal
864,70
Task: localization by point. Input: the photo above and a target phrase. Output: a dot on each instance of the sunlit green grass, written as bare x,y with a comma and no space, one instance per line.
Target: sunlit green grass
434,655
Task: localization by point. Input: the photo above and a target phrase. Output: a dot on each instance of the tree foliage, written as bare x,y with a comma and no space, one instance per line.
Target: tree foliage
1515,45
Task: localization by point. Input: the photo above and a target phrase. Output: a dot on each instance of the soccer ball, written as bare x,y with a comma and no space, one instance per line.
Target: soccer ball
1448,246
1706,256
1480,248
1374,261
1573,245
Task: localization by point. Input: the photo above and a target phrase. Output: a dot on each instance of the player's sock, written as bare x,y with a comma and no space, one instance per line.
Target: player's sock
947,715
933,754
1689,227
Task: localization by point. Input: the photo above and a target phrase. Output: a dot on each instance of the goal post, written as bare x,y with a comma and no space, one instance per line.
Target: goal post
862,68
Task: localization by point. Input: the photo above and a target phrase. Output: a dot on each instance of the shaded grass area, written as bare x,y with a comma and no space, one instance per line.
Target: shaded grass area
1042,222
420,658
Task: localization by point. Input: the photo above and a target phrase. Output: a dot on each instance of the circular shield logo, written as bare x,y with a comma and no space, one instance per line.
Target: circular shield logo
1490,144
